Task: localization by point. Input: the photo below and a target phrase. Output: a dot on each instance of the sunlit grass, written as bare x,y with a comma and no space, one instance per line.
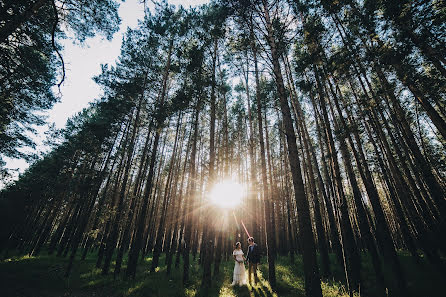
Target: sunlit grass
335,290
93,273
131,290
226,292
43,276
18,258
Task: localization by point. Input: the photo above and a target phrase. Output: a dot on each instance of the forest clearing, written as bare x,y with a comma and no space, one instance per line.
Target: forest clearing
44,277
302,142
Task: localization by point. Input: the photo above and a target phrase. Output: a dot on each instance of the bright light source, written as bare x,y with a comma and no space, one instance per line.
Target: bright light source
227,194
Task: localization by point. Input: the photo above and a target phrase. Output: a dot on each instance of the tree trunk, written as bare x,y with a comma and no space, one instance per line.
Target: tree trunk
138,241
312,278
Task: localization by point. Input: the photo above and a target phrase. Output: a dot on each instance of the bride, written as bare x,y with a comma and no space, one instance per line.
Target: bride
239,268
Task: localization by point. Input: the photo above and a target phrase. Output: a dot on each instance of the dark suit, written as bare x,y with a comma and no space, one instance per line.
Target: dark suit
253,257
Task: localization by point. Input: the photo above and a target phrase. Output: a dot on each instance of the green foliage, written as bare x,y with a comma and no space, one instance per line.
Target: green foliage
43,275
168,68
29,63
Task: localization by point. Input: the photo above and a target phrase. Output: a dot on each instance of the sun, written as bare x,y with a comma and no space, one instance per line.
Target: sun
227,194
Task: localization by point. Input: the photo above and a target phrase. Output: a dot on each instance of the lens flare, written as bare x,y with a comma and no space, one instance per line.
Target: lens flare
227,194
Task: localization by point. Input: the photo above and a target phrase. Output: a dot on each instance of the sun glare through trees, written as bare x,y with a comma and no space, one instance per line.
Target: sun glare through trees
317,127
227,194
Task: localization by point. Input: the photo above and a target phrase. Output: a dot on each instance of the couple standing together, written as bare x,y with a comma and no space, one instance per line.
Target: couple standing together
253,258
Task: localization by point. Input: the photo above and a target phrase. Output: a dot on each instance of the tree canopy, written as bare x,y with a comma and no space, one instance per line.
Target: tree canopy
32,64
330,113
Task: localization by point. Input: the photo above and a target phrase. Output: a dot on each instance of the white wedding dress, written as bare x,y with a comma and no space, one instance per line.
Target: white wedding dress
239,269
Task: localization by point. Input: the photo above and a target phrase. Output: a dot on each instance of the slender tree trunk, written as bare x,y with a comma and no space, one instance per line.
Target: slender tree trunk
161,226
312,278
138,241
364,226
352,255
130,215
113,238
208,232
266,202
189,198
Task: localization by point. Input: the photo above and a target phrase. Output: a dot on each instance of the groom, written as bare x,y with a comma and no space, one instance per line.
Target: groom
253,257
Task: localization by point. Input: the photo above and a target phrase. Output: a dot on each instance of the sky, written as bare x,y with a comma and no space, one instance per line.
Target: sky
83,62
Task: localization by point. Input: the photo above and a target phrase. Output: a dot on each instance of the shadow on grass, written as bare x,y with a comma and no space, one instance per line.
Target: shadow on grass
146,283
241,291
220,283
43,276
211,290
261,290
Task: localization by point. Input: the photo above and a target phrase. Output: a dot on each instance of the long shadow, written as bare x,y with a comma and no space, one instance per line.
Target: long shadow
262,288
22,275
213,289
257,293
241,291
261,291
159,284
156,283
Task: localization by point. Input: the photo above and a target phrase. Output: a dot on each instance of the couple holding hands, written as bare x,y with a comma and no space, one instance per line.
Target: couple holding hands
253,258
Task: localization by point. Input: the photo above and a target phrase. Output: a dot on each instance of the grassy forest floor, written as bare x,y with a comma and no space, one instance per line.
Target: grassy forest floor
43,276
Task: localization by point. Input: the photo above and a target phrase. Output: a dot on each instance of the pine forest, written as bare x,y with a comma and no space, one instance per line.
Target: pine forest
316,127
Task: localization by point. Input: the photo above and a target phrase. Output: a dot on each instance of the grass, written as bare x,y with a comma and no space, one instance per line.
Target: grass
43,276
